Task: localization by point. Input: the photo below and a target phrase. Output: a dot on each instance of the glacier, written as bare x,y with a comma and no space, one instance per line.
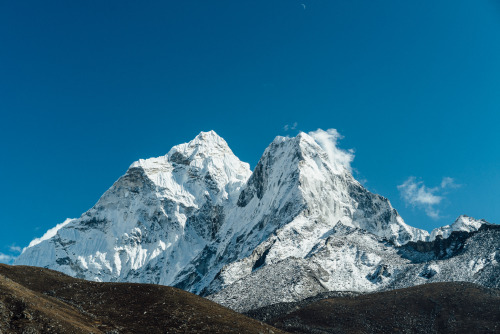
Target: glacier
299,224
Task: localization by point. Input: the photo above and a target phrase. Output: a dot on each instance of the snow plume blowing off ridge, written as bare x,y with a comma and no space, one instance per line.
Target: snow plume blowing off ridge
49,234
328,141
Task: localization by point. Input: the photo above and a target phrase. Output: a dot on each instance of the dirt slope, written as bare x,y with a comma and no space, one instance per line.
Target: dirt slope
36,300
452,307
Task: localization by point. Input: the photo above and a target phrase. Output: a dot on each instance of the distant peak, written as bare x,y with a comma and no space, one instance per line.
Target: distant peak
208,136
204,144
210,139
462,223
466,220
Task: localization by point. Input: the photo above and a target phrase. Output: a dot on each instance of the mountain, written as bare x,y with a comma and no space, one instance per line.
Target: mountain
35,300
153,221
354,260
296,226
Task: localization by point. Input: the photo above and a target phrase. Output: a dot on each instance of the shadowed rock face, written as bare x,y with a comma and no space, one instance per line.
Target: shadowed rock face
453,307
36,300
442,248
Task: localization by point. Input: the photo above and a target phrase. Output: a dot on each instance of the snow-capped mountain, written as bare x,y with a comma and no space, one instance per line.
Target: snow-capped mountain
293,200
153,221
199,219
463,223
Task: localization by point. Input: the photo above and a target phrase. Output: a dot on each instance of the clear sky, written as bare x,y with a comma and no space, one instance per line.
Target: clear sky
88,87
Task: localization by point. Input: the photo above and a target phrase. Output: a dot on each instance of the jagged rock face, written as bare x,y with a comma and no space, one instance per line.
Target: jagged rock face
198,219
352,259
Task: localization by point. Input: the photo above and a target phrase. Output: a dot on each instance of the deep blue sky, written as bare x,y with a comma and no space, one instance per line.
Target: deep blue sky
88,87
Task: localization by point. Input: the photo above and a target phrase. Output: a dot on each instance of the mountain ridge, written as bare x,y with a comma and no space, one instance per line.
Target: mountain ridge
199,219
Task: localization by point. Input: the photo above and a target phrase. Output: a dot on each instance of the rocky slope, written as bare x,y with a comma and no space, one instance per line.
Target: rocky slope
352,259
300,224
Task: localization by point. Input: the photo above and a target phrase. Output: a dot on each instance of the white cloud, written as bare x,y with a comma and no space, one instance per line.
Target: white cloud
6,258
328,141
290,126
448,182
11,255
417,194
15,249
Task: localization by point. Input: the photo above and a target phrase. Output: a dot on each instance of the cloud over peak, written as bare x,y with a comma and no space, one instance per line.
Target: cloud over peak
328,140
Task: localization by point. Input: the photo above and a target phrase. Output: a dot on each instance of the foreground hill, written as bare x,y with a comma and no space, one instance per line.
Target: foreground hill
452,307
36,300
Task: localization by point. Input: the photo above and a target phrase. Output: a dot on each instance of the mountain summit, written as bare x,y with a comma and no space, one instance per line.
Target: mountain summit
199,219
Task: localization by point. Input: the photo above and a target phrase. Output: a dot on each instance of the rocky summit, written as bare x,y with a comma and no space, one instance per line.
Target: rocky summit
298,225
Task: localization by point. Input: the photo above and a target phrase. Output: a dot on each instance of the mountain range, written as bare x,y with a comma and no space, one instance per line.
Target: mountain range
299,225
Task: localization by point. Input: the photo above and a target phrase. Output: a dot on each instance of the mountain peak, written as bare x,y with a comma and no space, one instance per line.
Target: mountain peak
462,223
320,146
208,136
203,145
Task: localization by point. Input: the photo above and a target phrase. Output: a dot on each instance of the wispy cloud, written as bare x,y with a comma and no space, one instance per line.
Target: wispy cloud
290,126
449,182
328,140
6,258
11,255
15,249
415,193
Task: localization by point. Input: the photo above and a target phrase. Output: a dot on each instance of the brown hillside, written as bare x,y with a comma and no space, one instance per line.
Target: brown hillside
452,307
36,300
